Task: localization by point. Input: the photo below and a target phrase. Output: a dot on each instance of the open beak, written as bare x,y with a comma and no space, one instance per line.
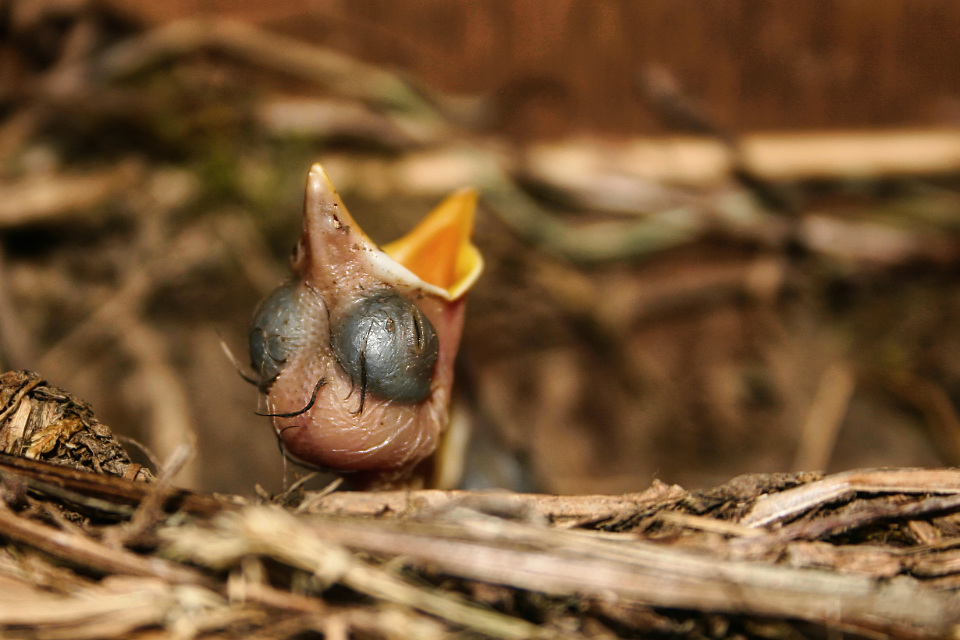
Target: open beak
439,250
356,352
437,255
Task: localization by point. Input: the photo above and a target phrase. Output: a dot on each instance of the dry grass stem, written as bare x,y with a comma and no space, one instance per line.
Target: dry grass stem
819,432
343,75
44,197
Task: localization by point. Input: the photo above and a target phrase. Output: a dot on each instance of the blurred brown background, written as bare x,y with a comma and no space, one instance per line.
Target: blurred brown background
672,290
566,67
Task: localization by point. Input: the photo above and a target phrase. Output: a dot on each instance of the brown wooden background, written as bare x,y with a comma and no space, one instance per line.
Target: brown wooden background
572,65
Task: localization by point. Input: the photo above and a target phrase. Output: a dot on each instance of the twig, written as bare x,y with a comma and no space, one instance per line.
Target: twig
170,422
17,349
150,510
867,513
277,534
89,554
558,562
48,478
873,243
706,163
142,448
792,502
82,502
316,496
43,197
676,106
829,406
325,119
344,75
98,612
596,242
703,523
563,511
250,378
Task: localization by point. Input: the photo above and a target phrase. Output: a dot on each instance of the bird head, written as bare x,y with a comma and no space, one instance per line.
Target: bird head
355,352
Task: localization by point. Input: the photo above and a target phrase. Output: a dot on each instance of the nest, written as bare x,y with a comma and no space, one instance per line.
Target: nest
100,549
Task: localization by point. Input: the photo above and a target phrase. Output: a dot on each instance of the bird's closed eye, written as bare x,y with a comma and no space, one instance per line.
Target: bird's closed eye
277,332
387,346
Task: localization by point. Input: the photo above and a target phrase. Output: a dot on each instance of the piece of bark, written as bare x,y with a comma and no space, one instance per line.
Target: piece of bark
42,422
563,511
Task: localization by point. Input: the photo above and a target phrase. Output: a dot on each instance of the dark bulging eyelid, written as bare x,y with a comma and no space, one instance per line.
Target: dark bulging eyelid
392,362
278,331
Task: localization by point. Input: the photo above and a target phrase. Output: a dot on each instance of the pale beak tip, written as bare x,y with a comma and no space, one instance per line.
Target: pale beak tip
438,251
318,182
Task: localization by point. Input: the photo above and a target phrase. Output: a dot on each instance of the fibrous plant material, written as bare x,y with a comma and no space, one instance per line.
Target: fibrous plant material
871,553
41,422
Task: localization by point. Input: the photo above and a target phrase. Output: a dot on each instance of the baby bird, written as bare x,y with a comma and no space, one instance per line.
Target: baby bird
355,352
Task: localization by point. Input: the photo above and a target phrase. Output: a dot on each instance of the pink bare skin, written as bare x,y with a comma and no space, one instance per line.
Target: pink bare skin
335,265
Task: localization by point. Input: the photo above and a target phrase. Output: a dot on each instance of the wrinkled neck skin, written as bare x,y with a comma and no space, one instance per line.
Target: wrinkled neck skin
384,442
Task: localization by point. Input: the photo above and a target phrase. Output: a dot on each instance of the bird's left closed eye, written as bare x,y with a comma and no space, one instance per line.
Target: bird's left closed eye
387,346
